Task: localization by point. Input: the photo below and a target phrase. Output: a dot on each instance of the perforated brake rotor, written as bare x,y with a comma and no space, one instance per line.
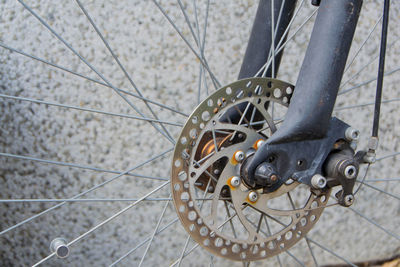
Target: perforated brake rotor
217,215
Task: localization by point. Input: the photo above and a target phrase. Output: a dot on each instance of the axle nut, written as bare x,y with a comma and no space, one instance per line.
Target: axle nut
318,181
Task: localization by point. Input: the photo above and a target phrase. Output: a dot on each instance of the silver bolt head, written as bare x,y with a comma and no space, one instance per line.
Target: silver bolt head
60,247
235,181
348,200
352,134
253,196
239,156
318,181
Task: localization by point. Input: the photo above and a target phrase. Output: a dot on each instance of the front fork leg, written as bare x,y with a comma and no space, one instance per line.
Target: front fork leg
310,110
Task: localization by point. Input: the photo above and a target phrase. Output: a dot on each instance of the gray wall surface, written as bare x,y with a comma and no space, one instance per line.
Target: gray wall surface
165,70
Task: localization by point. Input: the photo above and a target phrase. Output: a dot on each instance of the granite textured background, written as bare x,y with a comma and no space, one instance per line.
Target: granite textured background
165,70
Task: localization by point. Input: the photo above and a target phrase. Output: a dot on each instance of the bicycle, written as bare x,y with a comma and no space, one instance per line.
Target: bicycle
238,145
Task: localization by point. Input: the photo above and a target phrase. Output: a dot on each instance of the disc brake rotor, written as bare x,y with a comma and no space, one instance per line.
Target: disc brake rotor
233,220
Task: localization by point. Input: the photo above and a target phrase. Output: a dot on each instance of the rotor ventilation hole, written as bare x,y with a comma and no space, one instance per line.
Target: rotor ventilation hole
193,133
177,163
210,102
177,187
258,90
192,215
203,231
195,120
218,242
185,196
239,94
277,93
235,248
289,90
224,251
205,115
183,140
182,176
228,90
182,208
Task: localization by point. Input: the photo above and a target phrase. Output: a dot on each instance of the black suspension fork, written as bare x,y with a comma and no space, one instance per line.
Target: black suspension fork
260,43
311,106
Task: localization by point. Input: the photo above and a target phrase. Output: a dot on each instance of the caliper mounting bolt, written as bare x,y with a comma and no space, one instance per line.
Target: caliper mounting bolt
318,181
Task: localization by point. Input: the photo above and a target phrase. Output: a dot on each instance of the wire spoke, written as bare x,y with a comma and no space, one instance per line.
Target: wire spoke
73,165
366,82
143,242
383,180
362,45
364,67
119,64
106,221
196,245
213,78
366,104
155,232
379,190
92,68
375,223
330,251
88,110
27,200
84,192
388,156
91,79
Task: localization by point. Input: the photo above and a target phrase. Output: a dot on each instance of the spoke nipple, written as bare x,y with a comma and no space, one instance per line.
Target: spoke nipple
318,181
60,247
352,134
348,200
253,196
239,156
235,181
350,172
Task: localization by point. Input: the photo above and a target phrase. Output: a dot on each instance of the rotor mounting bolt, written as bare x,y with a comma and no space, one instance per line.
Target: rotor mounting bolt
239,156
352,134
350,172
318,181
235,181
60,247
253,196
348,200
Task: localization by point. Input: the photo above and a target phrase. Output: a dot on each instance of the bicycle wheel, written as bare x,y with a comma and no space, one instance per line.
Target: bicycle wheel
90,113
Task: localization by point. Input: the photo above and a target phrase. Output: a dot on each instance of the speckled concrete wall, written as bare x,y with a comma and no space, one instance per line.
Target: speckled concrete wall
165,70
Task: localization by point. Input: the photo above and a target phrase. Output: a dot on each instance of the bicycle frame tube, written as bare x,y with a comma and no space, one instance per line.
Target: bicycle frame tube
318,82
